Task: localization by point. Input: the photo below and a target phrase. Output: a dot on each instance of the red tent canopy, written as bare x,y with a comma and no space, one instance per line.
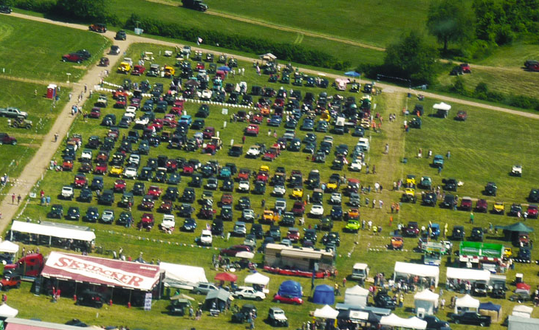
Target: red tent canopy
226,277
523,286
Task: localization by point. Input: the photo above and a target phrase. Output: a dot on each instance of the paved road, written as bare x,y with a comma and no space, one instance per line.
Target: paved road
39,163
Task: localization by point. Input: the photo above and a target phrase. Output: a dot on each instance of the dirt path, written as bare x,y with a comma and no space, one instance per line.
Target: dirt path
32,81
39,163
37,166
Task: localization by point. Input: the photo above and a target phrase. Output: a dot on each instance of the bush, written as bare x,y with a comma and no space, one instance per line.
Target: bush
37,6
284,51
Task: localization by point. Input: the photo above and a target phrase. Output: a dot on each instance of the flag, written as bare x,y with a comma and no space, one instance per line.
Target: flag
199,40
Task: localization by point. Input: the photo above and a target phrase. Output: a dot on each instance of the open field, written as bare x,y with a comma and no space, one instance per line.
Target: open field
507,81
476,158
37,53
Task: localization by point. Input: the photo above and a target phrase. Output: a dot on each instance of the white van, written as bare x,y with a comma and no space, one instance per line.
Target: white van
360,271
364,142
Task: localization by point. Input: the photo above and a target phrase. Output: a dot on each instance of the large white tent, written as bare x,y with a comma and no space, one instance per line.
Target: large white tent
9,247
356,296
404,269
259,280
522,311
179,276
425,302
7,311
466,303
522,323
411,323
326,312
465,274
53,230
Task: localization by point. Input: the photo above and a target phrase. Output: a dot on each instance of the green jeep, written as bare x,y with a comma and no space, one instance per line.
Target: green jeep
353,225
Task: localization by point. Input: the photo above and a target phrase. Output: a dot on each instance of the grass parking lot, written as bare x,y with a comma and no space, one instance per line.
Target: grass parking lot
483,148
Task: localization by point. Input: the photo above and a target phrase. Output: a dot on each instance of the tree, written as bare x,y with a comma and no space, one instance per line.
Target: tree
411,58
450,21
83,9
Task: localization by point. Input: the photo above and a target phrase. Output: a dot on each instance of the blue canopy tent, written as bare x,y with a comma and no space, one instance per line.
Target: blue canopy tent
324,295
223,68
352,74
491,309
290,289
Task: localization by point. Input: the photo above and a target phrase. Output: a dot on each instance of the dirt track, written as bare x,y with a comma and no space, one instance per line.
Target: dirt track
40,162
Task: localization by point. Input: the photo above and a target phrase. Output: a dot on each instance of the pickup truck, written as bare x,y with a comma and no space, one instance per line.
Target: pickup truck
12,113
471,318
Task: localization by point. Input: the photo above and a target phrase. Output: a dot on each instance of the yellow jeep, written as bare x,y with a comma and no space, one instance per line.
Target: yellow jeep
124,67
169,71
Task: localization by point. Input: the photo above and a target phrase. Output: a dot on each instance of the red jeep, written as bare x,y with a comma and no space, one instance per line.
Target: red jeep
80,181
208,133
256,119
227,199
147,221
252,129
138,70
95,113
165,207
177,107
154,191
244,174
120,186
9,282
73,57
532,211
101,168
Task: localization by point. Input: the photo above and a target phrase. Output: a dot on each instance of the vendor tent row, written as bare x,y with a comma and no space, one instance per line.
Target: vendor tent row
406,271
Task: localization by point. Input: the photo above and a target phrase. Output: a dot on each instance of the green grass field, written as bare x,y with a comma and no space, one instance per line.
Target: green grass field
167,13
41,112
37,53
483,148
372,22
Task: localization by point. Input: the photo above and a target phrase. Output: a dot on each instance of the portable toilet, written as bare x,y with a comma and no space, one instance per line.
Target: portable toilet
51,91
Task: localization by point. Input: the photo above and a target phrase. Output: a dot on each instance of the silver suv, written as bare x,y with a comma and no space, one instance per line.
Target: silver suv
204,288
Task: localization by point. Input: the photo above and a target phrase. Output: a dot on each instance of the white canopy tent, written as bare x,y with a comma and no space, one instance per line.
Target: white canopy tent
466,303
53,230
425,302
411,323
356,296
465,274
182,276
258,279
522,311
326,312
442,106
404,269
9,247
7,311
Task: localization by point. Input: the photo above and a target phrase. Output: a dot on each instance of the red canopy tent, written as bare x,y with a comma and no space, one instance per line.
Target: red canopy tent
226,277
523,286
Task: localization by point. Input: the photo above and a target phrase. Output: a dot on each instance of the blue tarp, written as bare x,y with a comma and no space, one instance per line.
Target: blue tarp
352,74
291,289
490,306
324,295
